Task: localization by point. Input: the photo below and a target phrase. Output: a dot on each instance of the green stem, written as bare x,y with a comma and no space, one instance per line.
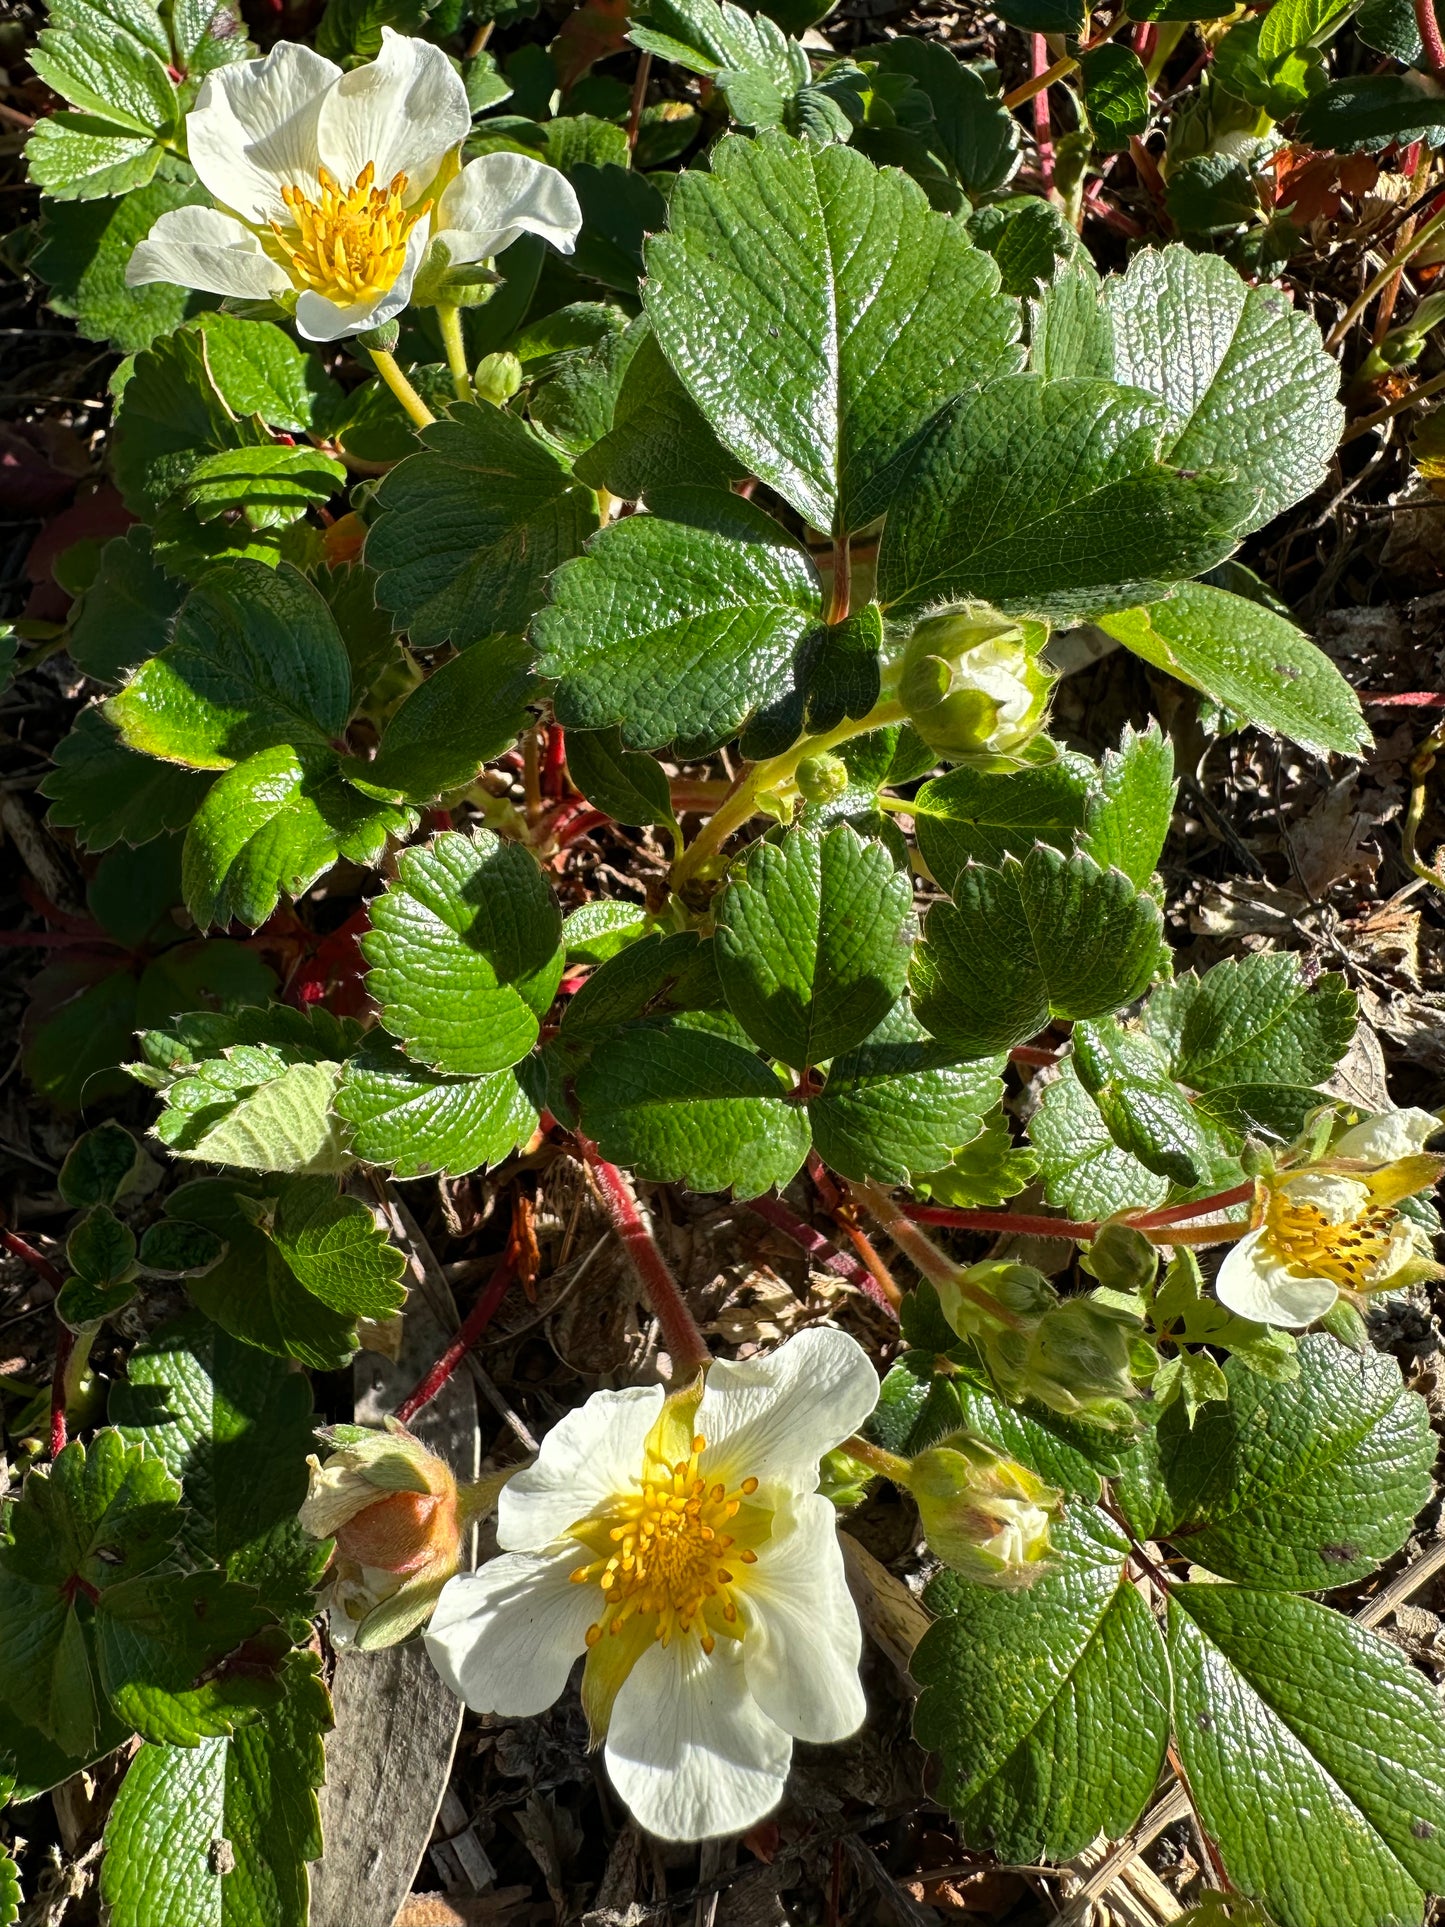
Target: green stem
1397,260
771,775
396,381
449,318
887,1465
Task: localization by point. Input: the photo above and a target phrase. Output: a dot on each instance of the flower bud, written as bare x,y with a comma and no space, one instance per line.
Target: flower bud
393,1511
497,379
983,1513
1122,1258
1079,1360
823,778
971,685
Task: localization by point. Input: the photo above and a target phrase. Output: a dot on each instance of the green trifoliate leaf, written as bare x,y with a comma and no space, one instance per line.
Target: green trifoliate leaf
972,129
414,1120
899,1104
1303,1485
977,816
819,313
988,1170
1052,936
99,1166
91,60
335,1249
271,826
1049,1707
109,794
465,953
471,527
269,487
1251,660
95,1613
255,660
255,1791
80,157
1339,1740
85,247
658,437
258,1107
252,1293
705,579
686,1106
463,715
126,613
984,512
1243,374
1143,1108
1085,1173
1189,1381
205,1402
1254,1039
624,783
813,940
1129,812
1184,1313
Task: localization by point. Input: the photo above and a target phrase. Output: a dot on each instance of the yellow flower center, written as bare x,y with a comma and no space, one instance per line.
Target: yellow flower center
1346,1253
348,244
669,1551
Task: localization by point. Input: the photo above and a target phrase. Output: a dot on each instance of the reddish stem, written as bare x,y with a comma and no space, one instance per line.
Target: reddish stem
1019,1221
554,763
37,1261
473,1325
684,1343
1043,125
1199,1208
1410,699
820,1250
64,1346
578,826
1146,39
1030,1054
1430,39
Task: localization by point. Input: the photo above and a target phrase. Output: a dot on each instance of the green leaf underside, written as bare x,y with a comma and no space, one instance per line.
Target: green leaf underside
465,953
1051,936
685,1106
819,313
1052,498
1049,1707
813,940
1339,1741
681,625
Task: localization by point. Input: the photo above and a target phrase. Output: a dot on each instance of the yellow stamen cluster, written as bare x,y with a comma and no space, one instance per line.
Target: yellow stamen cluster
348,244
1346,1253
669,1556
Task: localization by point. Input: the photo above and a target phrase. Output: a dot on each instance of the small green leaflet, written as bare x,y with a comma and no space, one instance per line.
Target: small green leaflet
415,1120
1085,1173
465,713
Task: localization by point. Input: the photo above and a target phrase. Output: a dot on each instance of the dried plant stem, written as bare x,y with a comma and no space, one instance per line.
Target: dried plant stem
472,1327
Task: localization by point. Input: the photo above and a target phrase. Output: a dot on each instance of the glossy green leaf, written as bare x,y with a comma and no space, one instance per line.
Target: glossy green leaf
466,713
1085,1173
978,816
415,1120
1144,1110
109,794
1129,813
625,784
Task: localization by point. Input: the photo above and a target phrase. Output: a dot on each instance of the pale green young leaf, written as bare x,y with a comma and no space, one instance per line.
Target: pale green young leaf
255,660
470,528
982,513
988,1170
1051,936
899,1105
819,313
80,157
1339,1740
682,1105
465,952
1248,658
256,1791
1129,812
256,1108
1243,374
706,578
1049,1707
813,939
1252,1024
415,1121
336,1249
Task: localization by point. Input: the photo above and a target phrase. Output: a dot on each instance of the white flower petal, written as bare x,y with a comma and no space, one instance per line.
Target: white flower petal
402,112
504,1638
689,1749
253,128
1339,1198
1387,1136
319,319
199,247
591,1454
1253,1283
773,1418
500,196
803,1642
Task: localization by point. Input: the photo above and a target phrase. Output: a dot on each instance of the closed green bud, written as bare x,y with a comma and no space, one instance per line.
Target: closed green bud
983,1513
823,778
1079,1361
1122,1258
844,1479
1021,1293
924,683
971,686
497,379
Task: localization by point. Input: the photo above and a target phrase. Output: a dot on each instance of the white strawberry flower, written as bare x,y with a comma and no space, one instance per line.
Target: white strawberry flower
684,1547
330,187
1334,1227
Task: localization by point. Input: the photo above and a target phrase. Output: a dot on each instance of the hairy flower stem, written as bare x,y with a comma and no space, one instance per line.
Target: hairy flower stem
472,1327
449,319
887,1465
685,1345
770,775
1159,1230
386,366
